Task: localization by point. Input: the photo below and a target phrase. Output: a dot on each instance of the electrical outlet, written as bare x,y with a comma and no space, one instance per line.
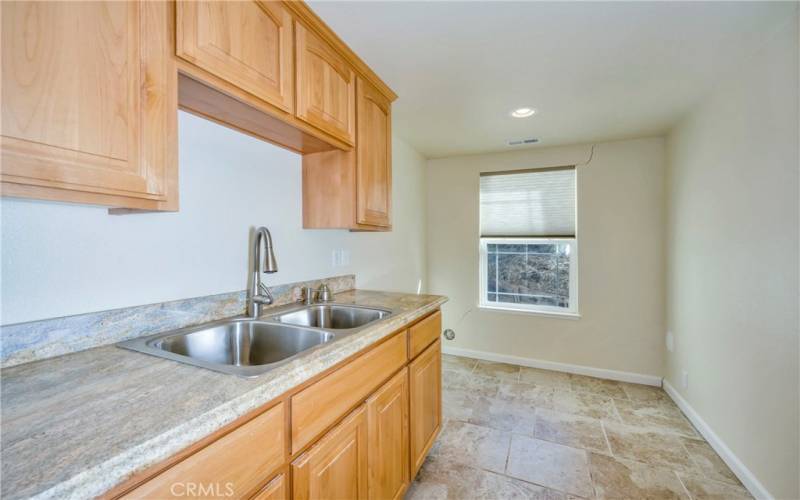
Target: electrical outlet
345,260
670,342
685,379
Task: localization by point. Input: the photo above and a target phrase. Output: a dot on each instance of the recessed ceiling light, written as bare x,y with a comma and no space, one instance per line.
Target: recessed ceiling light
523,112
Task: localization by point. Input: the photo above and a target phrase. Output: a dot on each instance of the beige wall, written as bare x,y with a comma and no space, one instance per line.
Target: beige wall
620,233
733,262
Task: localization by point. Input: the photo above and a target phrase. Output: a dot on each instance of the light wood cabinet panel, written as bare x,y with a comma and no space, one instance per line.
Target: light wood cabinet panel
387,430
323,403
233,466
326,86
337,466
423,333
277,489
89,102
374,157
353,189
246,43
425,388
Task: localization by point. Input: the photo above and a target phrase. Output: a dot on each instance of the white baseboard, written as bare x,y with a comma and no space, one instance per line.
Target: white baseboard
635,378
744,474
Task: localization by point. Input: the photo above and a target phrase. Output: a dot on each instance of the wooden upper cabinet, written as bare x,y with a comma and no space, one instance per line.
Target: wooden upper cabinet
374,157
326,86
246,43
89,103
336,466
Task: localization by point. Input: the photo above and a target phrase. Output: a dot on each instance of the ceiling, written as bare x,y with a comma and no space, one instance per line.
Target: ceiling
594,71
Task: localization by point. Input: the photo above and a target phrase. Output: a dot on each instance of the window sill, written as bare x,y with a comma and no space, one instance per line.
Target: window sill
510,310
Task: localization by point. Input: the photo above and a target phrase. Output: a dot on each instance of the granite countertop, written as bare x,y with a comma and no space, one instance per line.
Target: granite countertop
79,424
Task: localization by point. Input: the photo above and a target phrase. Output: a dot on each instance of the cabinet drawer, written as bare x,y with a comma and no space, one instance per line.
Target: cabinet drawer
424,334
233,466
317,407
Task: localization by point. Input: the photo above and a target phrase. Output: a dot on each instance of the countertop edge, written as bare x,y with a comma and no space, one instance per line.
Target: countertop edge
101,478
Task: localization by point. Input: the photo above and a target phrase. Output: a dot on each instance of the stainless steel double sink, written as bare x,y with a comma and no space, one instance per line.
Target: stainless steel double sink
248,347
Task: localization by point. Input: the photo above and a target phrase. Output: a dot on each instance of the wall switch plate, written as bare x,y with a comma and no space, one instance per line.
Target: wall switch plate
685,379
670,342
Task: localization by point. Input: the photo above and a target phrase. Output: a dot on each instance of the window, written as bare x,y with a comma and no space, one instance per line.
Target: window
528,244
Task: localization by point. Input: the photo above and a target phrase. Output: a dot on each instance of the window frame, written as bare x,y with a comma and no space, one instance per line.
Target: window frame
538,309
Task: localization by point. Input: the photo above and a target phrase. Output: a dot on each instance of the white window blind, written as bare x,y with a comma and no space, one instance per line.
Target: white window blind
538,203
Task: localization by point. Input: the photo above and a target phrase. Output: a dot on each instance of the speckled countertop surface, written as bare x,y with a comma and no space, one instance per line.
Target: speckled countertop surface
76,425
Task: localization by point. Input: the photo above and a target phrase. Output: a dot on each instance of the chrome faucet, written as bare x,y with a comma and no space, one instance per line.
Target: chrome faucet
258,295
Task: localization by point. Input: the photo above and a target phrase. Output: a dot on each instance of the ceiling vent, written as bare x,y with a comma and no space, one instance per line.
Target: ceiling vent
522,142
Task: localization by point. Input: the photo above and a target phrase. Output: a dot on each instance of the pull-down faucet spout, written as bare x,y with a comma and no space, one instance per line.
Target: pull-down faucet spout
258,295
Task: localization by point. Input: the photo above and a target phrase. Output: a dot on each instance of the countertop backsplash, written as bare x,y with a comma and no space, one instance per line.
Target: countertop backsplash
35,340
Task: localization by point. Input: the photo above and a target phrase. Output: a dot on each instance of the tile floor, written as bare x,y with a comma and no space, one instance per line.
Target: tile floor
515,432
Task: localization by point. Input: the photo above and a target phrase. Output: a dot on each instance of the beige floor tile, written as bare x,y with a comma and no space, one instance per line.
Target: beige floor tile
643,445
531,393
570,430
551,465
458,363
544,377
457,404
640,392
599,386
497,370
477,384
615,478
657,415
582,403
709,463
707,489
472,445
518,417
438,480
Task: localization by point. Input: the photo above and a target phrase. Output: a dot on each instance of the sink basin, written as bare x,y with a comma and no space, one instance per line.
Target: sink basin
249,347
335,317
243,343
242,347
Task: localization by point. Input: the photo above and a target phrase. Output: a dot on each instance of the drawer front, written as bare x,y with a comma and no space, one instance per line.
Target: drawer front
424,334
233,466
317,407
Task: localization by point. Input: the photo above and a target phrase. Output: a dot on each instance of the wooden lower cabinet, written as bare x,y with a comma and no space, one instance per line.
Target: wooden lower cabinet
425,402
336,467
358,431
233,466
387,438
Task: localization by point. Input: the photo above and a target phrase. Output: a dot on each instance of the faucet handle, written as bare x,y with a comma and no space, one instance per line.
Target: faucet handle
324,293
308,295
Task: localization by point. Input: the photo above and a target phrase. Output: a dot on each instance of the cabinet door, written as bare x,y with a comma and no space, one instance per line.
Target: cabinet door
387,423
246,43
336,467
89,100
276,489
425,376
374,163
326,86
